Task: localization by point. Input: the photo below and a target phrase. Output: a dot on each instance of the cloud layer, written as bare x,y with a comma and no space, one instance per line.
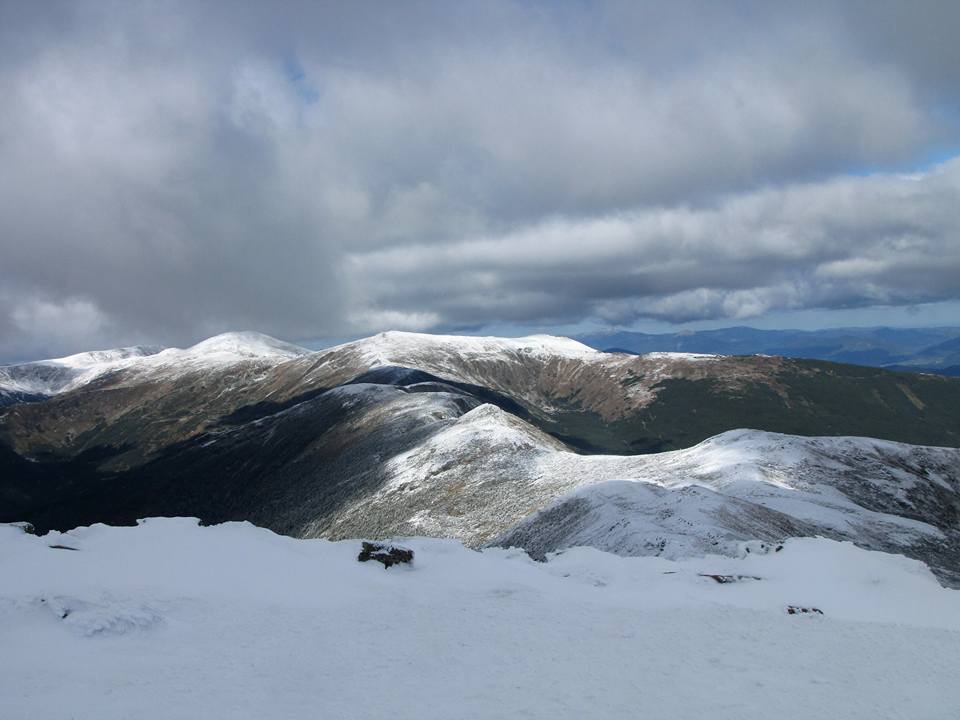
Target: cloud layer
171,170
847,242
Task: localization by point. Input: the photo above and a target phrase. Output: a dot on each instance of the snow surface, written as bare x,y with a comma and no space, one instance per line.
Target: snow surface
58,375
171,620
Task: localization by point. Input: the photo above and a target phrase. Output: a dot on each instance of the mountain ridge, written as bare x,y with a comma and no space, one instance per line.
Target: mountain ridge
44,378
398,434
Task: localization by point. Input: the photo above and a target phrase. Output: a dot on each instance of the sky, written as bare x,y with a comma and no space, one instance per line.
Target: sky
172,170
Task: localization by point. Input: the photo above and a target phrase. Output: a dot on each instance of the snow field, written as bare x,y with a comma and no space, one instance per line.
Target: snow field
173,620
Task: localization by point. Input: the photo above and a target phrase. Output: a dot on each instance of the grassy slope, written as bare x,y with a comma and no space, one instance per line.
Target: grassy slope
815,398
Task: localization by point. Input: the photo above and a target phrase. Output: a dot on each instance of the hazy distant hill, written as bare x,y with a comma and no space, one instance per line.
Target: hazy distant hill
933,349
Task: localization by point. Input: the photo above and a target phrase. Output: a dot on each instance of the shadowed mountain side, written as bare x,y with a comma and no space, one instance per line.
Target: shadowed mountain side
280,471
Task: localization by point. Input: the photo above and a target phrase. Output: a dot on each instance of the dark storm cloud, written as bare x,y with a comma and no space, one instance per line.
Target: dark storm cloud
171,170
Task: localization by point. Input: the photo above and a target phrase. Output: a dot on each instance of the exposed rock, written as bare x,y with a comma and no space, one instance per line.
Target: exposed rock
758,547
797,610
386,554
725,579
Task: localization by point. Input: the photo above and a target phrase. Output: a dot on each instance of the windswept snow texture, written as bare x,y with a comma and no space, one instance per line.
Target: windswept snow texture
170,620
51,377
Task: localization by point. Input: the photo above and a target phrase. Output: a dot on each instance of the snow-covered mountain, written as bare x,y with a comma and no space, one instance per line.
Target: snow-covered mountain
60,375
395,347
540,371
491,478
609,402
234,347
750,485
495,441
597,402
49,377
171,620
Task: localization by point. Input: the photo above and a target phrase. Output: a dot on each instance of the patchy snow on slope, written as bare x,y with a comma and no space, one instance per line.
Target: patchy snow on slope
171,620
358,393
468,480
484,429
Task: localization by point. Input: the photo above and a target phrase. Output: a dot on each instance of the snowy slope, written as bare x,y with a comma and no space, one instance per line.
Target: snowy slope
171,620
233,346
50,377
745,485
488,477
218,353
470,479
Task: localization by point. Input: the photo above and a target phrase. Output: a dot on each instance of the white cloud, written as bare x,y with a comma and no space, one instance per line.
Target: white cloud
841,242
41,327
312,169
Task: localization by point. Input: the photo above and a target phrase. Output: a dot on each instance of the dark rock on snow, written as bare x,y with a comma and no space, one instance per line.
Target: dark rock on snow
386,554
796,610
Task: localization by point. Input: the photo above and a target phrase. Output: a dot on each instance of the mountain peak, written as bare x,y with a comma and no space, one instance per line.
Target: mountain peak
246,343
393,342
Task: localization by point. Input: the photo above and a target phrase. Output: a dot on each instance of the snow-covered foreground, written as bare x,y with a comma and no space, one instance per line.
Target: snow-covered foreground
172,620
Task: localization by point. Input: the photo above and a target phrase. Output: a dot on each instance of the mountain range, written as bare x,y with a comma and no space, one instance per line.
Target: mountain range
540,442
913,349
